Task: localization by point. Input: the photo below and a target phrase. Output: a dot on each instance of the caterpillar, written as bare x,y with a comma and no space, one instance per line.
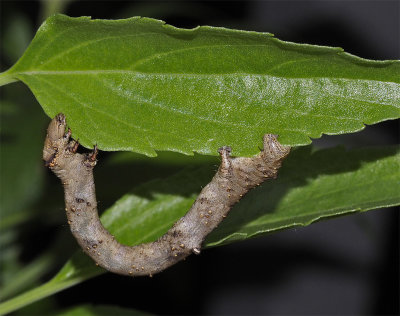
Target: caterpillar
234,178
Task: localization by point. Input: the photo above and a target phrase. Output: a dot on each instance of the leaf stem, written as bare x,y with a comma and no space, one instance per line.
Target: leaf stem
5,78
28,275
49,288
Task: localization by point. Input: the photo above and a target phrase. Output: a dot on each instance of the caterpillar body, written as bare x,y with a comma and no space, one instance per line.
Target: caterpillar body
234,178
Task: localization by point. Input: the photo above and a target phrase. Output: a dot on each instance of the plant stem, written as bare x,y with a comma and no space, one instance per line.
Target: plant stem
51,287
33,296
5,78
28,275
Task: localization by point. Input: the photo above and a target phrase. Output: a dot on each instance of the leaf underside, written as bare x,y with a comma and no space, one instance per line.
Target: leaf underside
141,85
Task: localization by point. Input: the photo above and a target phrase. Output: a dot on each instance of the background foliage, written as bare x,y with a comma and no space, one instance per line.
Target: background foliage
34,198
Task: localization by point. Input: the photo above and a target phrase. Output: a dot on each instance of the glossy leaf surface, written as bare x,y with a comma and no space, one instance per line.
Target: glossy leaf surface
141,85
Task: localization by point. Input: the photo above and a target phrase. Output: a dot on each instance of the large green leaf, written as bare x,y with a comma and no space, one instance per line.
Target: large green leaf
311,185
141,85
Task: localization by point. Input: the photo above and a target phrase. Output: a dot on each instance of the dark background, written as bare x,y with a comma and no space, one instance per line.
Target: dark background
347,265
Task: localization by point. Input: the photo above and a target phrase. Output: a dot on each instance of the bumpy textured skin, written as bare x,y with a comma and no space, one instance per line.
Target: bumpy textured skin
234,178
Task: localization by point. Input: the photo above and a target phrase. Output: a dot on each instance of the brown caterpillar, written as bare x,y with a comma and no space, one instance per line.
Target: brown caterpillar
234,178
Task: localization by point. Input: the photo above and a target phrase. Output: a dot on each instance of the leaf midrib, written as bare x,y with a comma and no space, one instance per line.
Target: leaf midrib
224,123
186,74
137,73
94,72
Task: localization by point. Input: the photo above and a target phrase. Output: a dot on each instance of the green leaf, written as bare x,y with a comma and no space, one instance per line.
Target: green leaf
313,186
310,186
141,85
